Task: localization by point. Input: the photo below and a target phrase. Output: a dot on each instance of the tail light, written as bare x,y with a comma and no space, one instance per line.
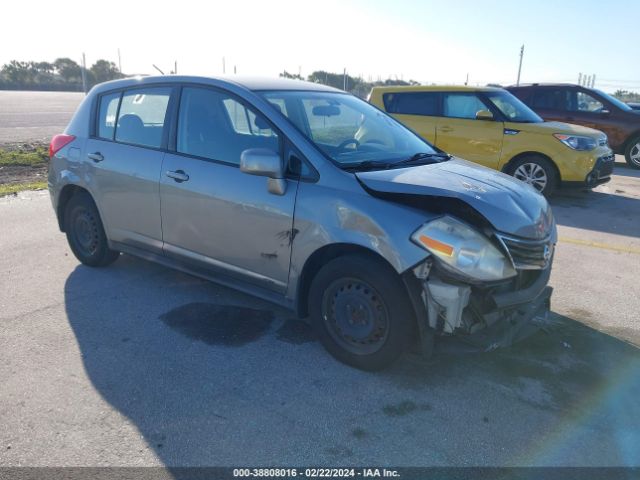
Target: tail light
58,142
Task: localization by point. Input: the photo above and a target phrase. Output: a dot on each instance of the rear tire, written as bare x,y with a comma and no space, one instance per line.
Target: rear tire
538,172
85,232
632,152
361,311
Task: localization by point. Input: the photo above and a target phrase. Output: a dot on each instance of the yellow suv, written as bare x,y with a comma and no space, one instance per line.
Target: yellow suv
491,127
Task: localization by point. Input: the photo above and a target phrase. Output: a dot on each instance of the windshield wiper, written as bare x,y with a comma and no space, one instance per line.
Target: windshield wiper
417,158
422,156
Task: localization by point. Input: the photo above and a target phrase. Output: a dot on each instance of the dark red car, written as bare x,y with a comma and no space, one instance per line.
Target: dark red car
569,103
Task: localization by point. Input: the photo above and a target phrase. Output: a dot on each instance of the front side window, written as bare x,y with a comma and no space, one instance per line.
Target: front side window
512,108
346,129
215,126
107,115
142,115
411,103
462,105
586,103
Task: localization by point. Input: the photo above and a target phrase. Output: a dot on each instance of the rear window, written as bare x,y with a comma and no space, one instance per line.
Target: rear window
142,115
411,103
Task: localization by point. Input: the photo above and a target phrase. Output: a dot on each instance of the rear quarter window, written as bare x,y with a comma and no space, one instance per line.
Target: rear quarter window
107,112
411,103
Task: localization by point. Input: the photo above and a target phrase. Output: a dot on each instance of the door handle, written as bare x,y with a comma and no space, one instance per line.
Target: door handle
446,129
95,156
178,175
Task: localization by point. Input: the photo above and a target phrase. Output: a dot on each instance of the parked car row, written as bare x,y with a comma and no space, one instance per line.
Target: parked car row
491,127
589,107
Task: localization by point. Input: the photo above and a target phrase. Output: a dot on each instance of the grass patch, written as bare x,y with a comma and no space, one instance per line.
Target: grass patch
27,157
12,188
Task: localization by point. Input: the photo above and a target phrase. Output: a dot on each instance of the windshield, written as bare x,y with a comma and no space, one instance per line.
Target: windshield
618,103
346,129
512,108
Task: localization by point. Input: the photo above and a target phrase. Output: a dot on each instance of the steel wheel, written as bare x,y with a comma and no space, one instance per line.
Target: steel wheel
355,316
85,232
533,174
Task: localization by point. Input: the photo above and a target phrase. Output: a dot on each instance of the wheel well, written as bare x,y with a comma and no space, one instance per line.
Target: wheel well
507,166
317,260
65,195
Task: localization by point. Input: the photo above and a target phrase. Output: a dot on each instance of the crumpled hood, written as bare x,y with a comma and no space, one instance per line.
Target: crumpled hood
510,205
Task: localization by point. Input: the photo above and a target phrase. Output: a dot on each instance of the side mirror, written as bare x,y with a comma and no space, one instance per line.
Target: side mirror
265,163
484,115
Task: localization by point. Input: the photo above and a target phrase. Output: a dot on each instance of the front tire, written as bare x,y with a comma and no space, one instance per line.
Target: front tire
538,172
85,232
632,152
361,311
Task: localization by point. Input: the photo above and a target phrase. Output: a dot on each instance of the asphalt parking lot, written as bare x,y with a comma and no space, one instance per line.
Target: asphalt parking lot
139,365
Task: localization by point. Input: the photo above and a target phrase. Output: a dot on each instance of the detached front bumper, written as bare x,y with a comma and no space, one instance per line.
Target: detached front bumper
487,316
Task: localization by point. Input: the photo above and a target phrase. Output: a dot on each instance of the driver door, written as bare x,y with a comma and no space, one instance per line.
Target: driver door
213,215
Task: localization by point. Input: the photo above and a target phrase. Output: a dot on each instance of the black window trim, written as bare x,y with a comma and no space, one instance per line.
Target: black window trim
437,93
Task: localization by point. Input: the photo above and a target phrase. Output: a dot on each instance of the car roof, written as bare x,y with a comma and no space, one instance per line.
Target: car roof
551,84
250,83
434,88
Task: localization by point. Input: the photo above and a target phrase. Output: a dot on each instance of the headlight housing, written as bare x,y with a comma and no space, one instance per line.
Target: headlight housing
577,142
463,250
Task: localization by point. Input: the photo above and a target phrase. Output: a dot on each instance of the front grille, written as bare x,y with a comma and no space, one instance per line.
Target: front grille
604,166
528,254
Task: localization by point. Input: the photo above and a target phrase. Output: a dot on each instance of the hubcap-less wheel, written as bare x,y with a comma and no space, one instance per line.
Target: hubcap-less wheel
533,174
355,316
85,232
634,154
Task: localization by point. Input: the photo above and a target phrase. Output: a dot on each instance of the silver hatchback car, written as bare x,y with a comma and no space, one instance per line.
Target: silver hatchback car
311,198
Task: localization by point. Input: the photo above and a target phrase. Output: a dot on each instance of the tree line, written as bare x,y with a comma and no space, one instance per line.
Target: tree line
354,85
63,74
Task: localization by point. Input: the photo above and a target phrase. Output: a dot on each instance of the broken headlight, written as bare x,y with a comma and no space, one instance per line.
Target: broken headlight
463,249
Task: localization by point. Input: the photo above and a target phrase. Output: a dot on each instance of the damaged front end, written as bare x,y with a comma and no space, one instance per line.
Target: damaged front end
486,313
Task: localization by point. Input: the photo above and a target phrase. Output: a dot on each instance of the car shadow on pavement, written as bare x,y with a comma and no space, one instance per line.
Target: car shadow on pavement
211,377
598,211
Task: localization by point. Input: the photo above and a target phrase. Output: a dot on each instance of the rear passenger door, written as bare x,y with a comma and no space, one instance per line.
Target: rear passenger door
459,133
214,216
417,110
123,158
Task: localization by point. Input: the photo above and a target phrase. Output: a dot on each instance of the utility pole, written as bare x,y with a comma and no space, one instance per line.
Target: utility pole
593,80
224,68
175,67
344,80
119,62
580,78
520,66
84,74
466,82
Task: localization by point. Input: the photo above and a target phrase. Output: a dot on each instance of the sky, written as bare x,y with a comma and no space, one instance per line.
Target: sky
426,41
